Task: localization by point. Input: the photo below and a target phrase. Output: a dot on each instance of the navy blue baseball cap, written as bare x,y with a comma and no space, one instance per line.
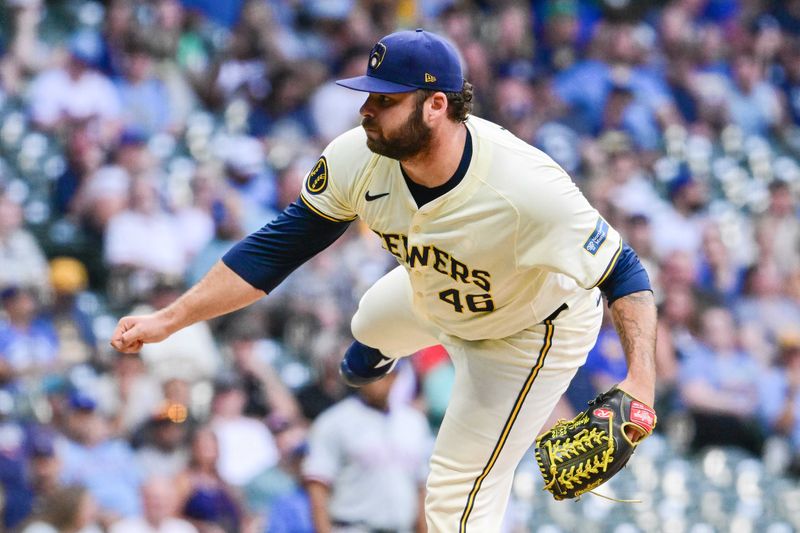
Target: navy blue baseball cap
405,61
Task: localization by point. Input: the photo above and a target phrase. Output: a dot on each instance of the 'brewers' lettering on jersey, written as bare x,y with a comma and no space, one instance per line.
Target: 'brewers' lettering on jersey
441,261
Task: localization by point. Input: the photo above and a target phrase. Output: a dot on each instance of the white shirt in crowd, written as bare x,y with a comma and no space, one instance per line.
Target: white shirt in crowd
150,241
246,449
54,94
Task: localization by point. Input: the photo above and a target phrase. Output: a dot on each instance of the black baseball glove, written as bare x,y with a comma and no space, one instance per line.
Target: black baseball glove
577,455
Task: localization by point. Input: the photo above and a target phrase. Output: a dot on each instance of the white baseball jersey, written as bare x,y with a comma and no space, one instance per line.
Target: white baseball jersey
497,254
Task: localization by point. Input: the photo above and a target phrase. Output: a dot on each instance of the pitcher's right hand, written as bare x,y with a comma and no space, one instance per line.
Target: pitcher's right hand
132,332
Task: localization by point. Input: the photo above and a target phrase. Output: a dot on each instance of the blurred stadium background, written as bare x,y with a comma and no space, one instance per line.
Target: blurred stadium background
140,139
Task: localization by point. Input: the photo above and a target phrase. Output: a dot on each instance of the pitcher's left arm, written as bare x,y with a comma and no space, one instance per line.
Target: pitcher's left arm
633,310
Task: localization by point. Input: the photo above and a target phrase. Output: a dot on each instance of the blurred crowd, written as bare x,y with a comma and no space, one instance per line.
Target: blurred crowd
140,139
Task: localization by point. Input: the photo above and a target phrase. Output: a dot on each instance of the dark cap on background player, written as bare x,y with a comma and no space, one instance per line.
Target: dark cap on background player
405,61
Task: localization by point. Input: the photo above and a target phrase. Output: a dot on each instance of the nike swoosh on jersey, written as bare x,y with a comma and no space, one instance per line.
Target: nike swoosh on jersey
370,198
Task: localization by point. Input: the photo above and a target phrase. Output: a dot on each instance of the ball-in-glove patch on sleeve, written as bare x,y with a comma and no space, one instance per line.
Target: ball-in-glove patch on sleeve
577,455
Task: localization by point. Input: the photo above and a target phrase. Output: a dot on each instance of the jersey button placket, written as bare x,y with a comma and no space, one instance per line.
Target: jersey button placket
417,276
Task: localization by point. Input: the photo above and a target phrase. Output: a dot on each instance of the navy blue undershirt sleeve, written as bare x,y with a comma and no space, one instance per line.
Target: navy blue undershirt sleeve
266,257
628,276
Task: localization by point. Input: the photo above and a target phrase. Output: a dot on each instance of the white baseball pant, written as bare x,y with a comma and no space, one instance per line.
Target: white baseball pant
504,391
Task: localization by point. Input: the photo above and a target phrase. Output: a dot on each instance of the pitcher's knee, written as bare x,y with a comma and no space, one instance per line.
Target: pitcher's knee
364,330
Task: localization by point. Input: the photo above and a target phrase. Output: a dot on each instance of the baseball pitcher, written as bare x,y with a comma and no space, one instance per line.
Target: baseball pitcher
501,259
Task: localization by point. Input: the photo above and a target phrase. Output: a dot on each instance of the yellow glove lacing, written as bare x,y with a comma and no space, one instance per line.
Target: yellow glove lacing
582,442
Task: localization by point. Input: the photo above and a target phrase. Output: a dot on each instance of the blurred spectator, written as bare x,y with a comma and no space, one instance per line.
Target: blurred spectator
790,85
165,450
514,106
246,446
29,471
619,64
83,157
267,396
44,466
284,112
18,495
764,302
753,103
119,25
788,15
169,20
288,506
94,193
178,391
326,387
159,506
720,387
127,395
195,216
23,260
27,51
345,444
767,38
207,500
76,338
243,72
631,189
682,81
561,34
28,342
679,227
169,41
229,227
70,509
334,109
778,229
76,91
780,398
719,277
144,99
144,236
678,271
250,178
105,465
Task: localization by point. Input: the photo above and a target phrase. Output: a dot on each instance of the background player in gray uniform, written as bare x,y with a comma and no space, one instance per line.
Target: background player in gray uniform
501,260
367,463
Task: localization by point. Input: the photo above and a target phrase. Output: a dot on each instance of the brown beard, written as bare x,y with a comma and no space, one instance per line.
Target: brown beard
412,138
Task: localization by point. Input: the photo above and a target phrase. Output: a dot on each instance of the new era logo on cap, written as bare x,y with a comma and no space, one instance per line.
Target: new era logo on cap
408,60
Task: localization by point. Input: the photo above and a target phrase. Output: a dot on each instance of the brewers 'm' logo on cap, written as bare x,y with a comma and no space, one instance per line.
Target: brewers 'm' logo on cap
376,56
318,178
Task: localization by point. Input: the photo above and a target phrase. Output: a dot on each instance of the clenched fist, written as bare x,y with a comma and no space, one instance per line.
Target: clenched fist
132,332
